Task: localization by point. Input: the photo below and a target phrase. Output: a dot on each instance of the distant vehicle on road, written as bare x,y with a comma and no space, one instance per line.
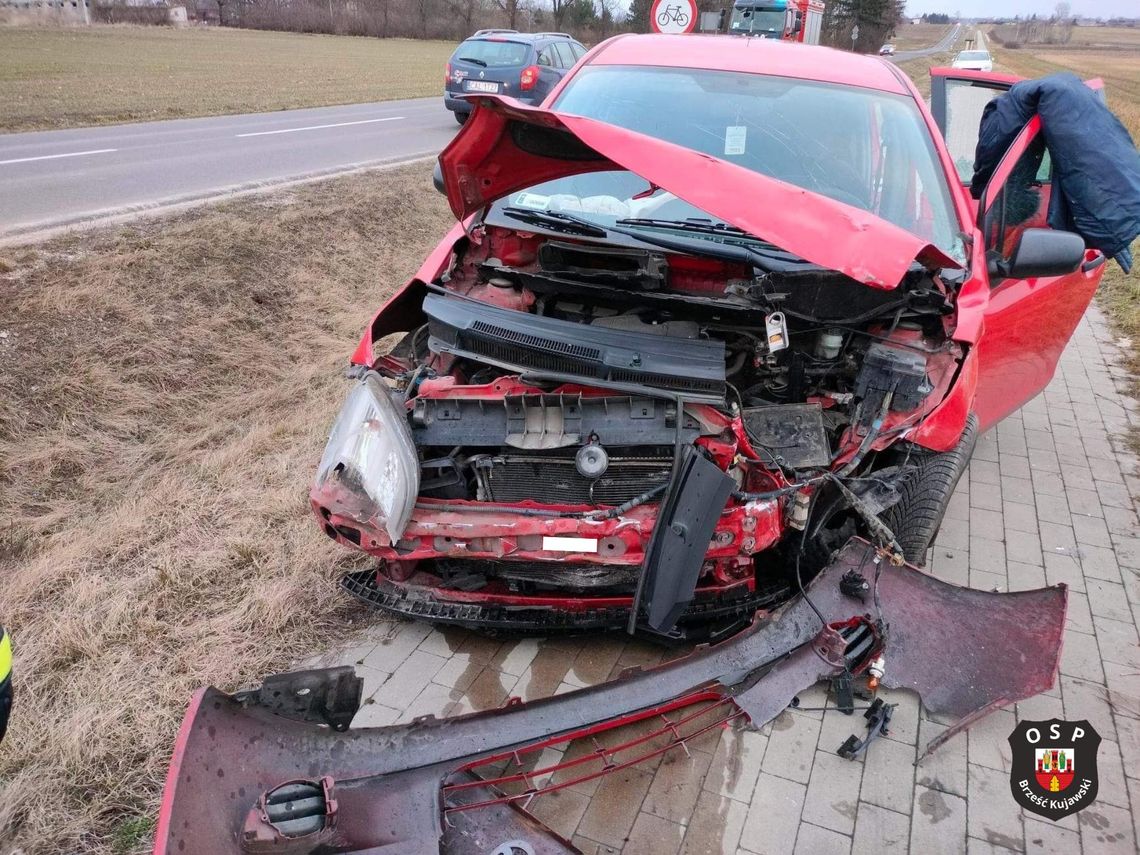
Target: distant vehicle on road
887,50
506,62
787,20
976,60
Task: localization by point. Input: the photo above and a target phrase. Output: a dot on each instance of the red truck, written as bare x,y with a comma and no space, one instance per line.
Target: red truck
788,20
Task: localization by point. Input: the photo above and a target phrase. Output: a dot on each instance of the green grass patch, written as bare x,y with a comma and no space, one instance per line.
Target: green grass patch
132,834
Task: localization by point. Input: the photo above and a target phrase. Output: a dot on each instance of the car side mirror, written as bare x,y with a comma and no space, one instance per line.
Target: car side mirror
437,179
1040,252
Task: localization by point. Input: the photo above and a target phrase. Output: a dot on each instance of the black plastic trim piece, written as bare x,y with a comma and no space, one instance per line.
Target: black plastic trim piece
326,696
705,618
680,539
520,341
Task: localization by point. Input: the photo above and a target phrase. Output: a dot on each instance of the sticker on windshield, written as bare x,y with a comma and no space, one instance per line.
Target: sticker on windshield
734,139
532,200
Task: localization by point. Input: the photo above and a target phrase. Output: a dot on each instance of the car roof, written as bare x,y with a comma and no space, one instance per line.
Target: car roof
752,55
509,36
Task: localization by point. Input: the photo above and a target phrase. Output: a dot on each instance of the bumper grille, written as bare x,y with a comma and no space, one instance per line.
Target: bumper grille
555,480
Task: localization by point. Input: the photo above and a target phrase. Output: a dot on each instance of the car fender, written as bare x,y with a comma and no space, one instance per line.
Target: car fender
941,430
402,311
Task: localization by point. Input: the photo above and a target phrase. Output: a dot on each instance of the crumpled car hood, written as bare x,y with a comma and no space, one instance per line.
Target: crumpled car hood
497,153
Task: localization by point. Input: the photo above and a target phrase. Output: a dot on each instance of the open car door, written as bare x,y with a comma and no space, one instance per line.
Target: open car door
957,98
1028,322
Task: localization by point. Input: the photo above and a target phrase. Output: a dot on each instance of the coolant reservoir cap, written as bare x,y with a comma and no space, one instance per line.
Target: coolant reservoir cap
591,461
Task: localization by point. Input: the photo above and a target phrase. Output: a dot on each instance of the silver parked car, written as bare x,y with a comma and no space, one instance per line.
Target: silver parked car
975,60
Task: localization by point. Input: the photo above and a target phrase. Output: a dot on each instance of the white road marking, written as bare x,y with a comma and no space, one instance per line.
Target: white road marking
318,127
55,156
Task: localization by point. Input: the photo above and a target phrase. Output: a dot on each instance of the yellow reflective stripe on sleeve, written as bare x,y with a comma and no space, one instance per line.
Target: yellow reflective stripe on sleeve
5,655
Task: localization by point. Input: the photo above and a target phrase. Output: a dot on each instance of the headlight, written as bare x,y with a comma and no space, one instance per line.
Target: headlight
370,460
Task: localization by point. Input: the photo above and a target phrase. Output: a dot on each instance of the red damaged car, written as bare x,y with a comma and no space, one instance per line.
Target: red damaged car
714,308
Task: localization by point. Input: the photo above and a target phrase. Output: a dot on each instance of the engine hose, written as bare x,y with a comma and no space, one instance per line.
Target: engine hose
610,513
742,496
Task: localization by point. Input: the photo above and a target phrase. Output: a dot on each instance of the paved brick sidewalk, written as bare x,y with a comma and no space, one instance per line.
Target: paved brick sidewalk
1050,497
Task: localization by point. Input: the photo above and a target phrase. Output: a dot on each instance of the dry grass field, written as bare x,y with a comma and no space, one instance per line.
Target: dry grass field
918,70
1119,66
918,36
1088,37
71,77
165,393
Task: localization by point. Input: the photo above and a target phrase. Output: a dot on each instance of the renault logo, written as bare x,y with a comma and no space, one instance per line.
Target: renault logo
481,75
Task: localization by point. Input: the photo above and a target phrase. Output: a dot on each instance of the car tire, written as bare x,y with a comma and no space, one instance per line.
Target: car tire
461,117
917,516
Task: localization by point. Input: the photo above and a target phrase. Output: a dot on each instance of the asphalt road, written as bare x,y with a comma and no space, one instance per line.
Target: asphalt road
51,179
54,179
945,43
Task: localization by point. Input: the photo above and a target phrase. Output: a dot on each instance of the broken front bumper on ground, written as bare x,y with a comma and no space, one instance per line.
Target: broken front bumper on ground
277,769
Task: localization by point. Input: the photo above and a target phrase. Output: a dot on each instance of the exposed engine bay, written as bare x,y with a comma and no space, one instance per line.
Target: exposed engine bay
802,356
563,384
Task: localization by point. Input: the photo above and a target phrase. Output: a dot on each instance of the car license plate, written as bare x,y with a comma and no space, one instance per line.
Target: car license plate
482,86
569,544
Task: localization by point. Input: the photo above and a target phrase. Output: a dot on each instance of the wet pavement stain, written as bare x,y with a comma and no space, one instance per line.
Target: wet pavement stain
545,673
847,809
1097,820
933,783
1003,840
933,805
1101,823
784,721
733,767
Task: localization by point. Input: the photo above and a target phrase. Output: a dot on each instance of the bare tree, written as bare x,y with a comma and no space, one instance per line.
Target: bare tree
384,7
511,9
423,10
558,9
608,13
465,12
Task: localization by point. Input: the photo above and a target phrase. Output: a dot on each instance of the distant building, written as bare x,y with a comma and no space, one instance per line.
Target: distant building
33,11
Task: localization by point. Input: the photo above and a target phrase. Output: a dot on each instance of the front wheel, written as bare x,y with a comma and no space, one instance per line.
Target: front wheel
916,517
460,118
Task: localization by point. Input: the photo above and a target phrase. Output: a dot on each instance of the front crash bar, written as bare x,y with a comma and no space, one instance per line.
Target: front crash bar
408,789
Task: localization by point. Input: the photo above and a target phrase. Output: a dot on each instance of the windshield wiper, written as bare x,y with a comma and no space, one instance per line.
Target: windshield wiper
556,221
474,60
771,258
692,224
725,251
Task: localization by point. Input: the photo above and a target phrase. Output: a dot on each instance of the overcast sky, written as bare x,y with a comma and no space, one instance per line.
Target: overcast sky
985,8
